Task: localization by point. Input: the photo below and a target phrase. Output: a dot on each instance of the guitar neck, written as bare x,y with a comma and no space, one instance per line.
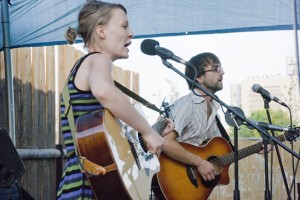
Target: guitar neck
244,152
160,125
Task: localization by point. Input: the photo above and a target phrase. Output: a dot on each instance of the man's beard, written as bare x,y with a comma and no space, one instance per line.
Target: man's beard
214,87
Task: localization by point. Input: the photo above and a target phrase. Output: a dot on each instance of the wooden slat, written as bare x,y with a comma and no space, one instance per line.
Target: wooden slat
38,63
39,104
50,68
24,110
64,66
16,59
135,85
50,96
38,109
25,65
2,65
3,92
118,74
127,79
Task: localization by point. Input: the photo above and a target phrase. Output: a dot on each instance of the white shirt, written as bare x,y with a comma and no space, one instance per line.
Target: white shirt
190,118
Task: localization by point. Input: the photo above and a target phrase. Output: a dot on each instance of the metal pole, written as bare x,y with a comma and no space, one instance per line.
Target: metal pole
295,27
8,70
296,39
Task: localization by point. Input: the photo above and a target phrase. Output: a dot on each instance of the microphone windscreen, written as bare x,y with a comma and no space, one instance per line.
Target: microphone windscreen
255,87
148,47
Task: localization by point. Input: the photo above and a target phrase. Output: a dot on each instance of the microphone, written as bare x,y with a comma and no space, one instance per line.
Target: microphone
151,47
265,94
269,126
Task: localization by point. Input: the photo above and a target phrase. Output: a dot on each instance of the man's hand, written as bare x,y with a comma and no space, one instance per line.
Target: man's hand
206,170
170,127
269,148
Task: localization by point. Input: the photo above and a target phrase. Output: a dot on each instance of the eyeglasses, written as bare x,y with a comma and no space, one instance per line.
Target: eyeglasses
216,68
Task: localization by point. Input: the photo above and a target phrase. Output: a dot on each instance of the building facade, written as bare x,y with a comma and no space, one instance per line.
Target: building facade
284,87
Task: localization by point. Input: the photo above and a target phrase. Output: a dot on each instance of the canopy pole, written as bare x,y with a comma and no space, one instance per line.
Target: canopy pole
8,70
296,40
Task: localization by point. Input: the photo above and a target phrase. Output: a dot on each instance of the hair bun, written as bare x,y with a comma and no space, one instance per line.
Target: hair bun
70,35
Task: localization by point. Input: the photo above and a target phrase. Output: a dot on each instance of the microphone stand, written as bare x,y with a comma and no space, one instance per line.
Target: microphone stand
263,132
232,121
265,143
236,195
236,165
266,105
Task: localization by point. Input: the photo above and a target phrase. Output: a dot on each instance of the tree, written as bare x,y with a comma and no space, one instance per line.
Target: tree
278,118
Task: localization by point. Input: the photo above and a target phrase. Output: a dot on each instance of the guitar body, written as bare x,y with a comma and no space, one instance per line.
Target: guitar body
177,181
107,142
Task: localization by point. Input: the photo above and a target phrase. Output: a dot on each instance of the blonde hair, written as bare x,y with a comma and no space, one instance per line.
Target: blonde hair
92,14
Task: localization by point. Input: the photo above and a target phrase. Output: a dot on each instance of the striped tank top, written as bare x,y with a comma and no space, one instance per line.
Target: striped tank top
74,184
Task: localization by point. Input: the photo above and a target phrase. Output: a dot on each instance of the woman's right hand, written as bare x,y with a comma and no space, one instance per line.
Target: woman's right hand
154,142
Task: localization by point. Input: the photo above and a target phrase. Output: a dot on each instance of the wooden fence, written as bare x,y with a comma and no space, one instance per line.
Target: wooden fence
34,114
36,92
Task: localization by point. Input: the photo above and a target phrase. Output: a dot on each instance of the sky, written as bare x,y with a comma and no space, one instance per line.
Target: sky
242,55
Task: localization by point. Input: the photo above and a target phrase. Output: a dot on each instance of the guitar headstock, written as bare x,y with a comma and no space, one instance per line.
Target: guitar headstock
293,134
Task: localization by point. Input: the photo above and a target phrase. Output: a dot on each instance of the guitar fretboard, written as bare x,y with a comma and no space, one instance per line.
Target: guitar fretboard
242,153
159,127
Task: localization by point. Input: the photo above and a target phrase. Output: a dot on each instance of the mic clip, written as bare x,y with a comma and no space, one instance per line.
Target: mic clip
231,118
166,63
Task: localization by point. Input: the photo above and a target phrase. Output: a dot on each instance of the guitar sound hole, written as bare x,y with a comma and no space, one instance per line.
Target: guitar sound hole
212,183
142,142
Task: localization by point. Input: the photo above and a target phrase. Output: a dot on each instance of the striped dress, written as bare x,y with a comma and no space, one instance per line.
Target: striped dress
74,184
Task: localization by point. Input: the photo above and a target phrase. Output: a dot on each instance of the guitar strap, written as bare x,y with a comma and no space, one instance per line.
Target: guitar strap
67,100
87,166
137,97
224,133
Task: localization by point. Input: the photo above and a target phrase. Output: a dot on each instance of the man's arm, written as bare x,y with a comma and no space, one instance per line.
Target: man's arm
175,151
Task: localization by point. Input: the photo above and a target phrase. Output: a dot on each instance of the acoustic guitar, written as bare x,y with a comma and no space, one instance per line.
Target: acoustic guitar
110,143
177,181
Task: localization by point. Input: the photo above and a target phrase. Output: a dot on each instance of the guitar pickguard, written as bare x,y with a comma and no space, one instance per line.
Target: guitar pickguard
108,142
144,159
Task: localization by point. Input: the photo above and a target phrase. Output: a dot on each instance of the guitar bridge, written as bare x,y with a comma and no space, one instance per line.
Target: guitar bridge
192,176
128,133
